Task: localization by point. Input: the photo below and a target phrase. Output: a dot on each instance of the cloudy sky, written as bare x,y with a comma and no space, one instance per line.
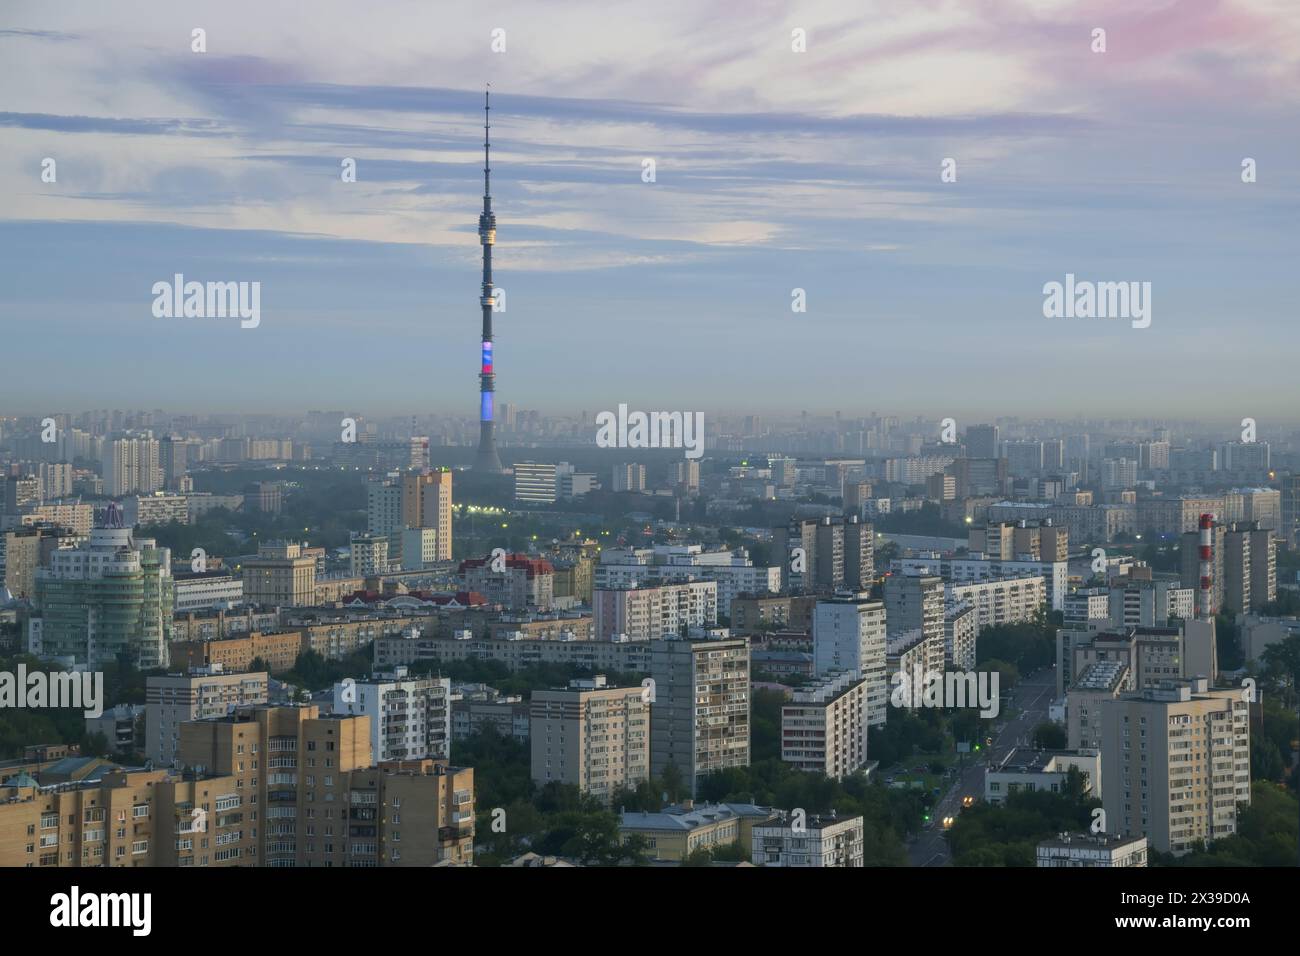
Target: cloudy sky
775,170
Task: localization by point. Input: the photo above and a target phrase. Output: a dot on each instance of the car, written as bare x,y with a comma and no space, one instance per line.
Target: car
947,823
968,801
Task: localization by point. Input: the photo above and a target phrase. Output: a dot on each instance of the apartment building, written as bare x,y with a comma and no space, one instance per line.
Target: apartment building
1177,763
591,735
817,841
849,635
176,699
1092,849
1002,601
700,706
410,717
654,611
321,802
824,727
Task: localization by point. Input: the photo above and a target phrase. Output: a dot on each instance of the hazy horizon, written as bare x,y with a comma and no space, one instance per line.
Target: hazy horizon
775,170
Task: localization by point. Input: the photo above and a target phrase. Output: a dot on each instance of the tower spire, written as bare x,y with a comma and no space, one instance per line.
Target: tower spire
487,460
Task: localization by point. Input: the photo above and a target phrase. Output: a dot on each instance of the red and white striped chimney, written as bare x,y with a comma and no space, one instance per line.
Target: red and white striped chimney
1206,605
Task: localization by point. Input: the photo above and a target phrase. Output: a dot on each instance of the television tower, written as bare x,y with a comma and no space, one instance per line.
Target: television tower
487,461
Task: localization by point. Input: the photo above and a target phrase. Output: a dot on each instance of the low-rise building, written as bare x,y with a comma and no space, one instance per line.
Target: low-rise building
807,841
1092,849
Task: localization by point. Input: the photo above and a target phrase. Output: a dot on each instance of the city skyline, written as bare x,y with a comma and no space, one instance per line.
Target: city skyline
225,166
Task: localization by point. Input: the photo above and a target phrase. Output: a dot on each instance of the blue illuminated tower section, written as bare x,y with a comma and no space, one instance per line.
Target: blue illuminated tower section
487,460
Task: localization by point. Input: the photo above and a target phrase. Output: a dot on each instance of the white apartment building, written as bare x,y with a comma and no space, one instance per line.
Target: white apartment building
410,717
733,572
824,728
1004,601
968,570
158,508
654,611
1092,849
198,590
369,554
826,841
960,628
849,636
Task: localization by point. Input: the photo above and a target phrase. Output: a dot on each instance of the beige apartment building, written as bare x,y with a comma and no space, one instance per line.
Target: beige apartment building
321,802
1177,763
266,786
426,503
591,735
280,576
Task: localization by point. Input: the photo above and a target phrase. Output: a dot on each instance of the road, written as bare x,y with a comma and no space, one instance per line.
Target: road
1030,699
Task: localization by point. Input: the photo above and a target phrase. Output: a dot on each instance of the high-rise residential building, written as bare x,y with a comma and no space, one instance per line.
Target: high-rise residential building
1100,681
975,476
824,727
1177,763
427,503
960,632
173,699
629,477
1148,603
369,554
1118,473
109,598
410,717
19,493
1025,539
55,478
982,441
280,576
1024,458
320,798
832,554
157,508
1249,457
916,603
1290,529
686,475
700,707
384,506
131,465
1262,506
23,551
592,736
653,611
849,636
1243,566
1053,456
